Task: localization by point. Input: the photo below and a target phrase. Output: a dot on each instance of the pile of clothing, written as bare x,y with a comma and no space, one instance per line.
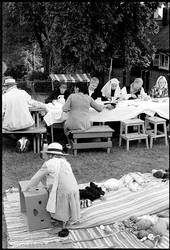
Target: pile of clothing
89,194
160,173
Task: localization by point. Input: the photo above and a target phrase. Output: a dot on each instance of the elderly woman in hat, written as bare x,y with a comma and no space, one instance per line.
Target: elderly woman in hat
160,89
63,202
112,91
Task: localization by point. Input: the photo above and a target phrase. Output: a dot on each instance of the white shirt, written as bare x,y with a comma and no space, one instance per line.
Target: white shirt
15,109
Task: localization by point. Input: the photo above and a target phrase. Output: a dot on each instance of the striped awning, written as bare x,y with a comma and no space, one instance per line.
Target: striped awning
70,77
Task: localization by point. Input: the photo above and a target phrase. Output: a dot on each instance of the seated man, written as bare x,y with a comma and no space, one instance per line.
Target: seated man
60,91
93,89
15,108
135,90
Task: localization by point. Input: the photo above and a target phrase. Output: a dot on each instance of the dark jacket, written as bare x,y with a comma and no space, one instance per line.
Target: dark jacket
128,91
97,93
54,95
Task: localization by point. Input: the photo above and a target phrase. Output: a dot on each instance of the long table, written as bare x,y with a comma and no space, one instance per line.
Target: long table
124,110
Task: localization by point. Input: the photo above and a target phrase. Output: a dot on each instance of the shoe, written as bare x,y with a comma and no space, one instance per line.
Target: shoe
63,233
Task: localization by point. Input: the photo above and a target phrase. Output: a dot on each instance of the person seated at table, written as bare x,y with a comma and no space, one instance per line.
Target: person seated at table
93,89
77,107
15,110
160,89
59,93
135,90
112,91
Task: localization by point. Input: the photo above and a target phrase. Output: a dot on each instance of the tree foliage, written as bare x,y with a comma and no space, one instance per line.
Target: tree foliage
83,36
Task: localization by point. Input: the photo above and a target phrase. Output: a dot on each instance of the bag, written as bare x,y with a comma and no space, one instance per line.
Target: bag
22,145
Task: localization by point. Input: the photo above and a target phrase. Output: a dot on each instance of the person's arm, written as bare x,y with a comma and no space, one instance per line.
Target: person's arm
95,105
3,106
66,107
37,177
143,93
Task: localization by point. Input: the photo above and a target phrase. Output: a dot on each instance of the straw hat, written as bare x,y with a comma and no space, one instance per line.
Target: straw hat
54,148
9,81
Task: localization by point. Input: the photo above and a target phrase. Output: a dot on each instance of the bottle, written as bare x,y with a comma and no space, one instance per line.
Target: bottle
44,148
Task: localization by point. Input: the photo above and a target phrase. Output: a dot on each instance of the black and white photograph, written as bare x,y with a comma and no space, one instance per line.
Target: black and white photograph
85,124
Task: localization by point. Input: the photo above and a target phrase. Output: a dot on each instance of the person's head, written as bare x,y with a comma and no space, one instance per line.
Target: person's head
94,82
8,83
161,82
63,87
54,149
80,87
137,84
114,83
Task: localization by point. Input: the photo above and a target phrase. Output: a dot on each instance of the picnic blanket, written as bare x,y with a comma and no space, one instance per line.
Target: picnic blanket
119,205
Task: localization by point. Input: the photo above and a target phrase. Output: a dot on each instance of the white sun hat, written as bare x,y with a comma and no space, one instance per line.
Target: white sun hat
9,81
54,148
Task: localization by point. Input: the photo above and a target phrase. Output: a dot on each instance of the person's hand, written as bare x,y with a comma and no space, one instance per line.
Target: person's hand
109,106
134,96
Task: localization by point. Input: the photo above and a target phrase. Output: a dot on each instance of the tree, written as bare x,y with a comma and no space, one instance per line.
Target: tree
83,36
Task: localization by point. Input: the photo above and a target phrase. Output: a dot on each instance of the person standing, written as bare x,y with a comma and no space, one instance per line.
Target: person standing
64,201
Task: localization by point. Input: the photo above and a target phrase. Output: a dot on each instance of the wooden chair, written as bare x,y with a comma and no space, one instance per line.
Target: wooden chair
140,134
155,133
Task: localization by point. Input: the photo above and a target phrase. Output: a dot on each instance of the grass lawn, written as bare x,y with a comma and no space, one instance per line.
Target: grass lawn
89,165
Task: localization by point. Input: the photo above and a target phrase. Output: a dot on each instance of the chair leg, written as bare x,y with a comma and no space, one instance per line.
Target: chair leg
147,145
120,141
127,145
165,131
52,133
151,142
34,143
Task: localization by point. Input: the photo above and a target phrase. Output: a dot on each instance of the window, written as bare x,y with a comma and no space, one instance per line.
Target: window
156,60
164,61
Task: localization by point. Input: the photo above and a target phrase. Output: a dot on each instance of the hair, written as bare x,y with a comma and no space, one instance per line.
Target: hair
95,79
82,87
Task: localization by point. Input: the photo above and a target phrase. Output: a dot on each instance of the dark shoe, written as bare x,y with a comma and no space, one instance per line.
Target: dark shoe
63,233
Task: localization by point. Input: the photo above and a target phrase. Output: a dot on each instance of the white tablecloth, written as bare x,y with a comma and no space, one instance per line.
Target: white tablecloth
124,110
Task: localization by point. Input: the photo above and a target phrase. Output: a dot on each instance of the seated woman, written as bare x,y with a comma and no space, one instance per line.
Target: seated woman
59,92
111,90
160,89
135,90
93,88
77,106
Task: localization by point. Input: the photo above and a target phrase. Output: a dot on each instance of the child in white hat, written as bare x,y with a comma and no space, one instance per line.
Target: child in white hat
64,202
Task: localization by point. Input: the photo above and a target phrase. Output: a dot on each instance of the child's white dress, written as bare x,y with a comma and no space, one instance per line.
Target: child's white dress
63,202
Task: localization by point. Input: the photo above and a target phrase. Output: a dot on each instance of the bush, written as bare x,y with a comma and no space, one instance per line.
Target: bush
37,75
16,72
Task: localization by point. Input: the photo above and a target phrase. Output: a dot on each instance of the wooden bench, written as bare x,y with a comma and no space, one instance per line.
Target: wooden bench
36,131
104,132
33,206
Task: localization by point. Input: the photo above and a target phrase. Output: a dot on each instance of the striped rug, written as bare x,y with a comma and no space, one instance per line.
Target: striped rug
119,205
